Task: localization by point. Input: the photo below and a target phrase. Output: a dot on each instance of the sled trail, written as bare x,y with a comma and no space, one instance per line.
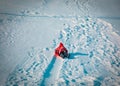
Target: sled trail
52,72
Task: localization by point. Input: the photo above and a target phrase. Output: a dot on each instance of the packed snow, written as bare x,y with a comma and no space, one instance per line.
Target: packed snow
31,30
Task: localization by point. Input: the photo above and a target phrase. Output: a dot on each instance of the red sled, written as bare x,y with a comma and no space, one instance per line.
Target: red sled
61,51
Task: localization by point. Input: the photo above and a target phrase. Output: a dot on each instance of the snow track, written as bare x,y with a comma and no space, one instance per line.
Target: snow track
52,72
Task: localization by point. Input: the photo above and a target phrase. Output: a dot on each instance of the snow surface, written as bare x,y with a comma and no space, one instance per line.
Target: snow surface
94,58
31,30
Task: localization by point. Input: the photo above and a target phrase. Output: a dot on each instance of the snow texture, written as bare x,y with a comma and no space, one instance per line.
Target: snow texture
30,30
94,58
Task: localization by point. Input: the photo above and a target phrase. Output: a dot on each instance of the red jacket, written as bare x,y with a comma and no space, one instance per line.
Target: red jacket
60,49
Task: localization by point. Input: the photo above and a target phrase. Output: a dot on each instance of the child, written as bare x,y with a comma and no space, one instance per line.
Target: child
61,51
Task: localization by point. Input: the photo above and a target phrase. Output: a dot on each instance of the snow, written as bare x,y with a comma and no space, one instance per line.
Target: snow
31,30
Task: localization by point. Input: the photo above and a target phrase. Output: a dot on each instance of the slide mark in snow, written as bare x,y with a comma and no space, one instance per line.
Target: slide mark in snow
52,72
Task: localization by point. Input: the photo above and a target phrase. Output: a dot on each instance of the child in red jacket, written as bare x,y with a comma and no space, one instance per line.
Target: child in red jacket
61,51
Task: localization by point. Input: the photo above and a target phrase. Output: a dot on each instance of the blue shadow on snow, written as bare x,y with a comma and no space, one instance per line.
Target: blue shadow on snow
73,55
98,81
48,70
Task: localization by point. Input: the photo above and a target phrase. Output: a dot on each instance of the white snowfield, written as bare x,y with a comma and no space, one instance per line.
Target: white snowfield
94,58
31,30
